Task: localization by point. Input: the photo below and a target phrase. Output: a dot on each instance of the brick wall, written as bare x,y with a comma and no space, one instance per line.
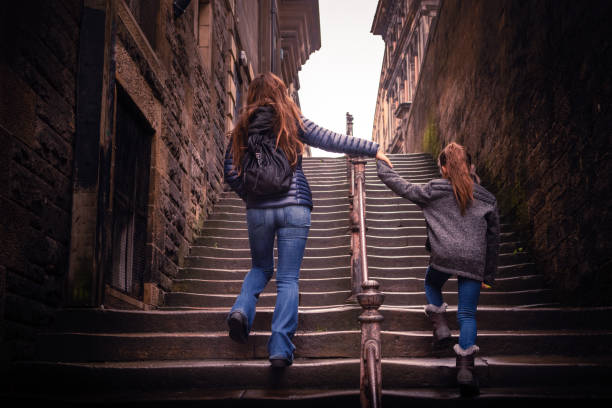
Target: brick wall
527,87
37,125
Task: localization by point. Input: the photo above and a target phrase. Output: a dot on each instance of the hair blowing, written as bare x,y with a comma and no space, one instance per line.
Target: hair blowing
454,158
269,89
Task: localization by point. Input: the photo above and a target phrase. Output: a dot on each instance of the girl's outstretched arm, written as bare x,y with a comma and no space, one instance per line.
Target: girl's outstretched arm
416,193
380,155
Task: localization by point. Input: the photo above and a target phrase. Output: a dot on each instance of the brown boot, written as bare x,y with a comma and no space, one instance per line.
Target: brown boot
441,332
466,375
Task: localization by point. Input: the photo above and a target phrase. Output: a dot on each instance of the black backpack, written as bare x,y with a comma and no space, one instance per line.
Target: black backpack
265,169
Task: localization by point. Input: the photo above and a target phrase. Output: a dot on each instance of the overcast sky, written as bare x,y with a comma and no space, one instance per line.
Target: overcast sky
343,75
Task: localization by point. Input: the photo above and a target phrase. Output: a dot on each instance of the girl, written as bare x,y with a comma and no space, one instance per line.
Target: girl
270,111
463,234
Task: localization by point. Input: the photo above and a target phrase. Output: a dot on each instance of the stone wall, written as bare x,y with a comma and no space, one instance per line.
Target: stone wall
183,102
527,87
188,159
38,71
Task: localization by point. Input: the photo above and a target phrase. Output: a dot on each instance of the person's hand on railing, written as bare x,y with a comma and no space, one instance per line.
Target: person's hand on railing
380,155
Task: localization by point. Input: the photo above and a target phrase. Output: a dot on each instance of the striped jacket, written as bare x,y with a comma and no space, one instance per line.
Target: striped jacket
299,192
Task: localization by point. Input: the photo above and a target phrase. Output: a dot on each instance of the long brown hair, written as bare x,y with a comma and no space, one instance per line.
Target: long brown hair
269,89
454,158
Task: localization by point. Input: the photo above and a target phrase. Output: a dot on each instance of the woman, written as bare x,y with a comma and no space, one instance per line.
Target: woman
270,111
463,235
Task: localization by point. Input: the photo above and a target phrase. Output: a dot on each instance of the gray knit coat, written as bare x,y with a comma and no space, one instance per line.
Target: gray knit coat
464,245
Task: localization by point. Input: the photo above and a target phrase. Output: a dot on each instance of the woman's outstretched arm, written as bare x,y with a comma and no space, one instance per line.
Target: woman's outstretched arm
325,139
414,192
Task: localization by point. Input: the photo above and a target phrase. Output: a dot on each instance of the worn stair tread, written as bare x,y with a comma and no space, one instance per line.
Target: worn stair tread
110,311
309,396
313,333
502,393
480,359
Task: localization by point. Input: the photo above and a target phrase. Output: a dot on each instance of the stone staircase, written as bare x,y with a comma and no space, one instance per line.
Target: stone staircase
531,348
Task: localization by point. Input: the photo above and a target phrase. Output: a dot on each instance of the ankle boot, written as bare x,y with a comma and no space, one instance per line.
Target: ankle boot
466,375
441,332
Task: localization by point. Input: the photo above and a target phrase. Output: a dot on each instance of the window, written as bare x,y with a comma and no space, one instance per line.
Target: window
203,30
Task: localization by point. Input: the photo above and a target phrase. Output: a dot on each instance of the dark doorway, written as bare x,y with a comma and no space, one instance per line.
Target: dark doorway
131,170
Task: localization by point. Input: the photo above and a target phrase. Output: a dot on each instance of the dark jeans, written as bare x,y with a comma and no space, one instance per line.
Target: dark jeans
469,292
290,225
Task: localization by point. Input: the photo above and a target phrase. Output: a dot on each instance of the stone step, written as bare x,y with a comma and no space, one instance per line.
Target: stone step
374,214
314,242
509,284
236,274
333,298
413,236
107,347
416,257
221,252
420,176
236,206
343,159
306,397
138,376
506,271
319,193
370,166
242,232
392,203
419,249
339,185
203,286
398,261
316,216
329,319
329,223
408,171
397,207
411,173
243,242
328,261
381,194
322,204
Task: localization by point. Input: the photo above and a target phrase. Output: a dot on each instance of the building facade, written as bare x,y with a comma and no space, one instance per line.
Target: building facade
404,26
113,124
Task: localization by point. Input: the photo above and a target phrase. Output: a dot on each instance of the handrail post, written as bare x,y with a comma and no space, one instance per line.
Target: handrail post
370,299
356,275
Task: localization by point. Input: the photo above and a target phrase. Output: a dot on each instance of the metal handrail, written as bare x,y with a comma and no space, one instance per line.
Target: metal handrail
362,288
370,298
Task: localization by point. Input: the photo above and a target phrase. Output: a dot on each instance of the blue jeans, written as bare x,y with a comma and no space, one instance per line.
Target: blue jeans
469,292
290,225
